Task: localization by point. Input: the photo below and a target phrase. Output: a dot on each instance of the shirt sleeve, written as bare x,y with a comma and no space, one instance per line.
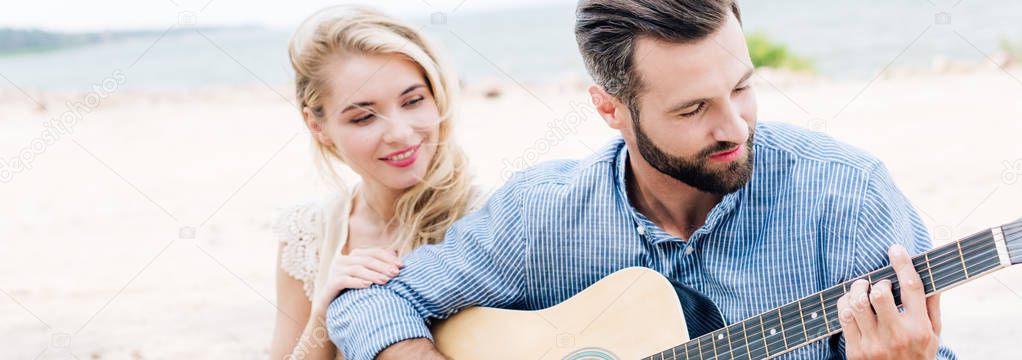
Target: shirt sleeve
886,218
943,351
479,263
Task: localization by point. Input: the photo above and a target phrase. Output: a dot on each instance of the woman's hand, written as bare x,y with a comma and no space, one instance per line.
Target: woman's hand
357,270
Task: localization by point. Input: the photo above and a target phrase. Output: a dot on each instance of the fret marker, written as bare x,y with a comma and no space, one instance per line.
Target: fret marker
720,337
813,315
961,256
773,331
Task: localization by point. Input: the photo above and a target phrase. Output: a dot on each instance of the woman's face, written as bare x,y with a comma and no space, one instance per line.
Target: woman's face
381,117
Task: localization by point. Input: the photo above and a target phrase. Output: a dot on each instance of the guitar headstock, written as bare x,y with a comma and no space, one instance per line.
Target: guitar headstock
1013,240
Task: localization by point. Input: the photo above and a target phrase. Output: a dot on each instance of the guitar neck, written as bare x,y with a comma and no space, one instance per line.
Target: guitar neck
815,317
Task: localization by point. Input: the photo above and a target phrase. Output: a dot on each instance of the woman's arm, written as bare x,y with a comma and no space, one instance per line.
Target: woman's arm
301,331
295,332
314,343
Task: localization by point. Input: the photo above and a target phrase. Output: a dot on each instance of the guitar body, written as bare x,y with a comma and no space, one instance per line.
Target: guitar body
626,315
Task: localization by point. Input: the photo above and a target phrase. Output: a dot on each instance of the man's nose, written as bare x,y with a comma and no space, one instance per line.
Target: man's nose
732,128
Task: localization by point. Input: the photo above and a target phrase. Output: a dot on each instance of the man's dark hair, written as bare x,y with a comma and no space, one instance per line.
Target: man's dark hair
606,32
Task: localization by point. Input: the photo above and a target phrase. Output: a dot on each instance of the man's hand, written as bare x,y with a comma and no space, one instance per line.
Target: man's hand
411,349
880,331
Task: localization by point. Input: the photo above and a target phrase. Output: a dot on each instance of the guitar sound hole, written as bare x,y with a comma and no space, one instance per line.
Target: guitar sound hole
591,354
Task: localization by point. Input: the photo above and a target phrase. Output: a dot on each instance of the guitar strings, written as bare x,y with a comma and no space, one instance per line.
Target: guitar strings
940,259
1010,239
767,344
814,328
828,305
974,246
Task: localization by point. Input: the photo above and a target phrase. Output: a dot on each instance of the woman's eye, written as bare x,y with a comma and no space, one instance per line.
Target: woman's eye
362,118
414,101
743,88
696,111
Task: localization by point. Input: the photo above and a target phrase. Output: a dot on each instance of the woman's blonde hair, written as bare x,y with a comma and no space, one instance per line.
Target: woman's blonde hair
424,211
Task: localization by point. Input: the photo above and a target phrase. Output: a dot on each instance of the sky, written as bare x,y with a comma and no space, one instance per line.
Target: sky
98,15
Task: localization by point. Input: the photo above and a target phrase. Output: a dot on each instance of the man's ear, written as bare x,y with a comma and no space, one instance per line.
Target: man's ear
315,127
609,107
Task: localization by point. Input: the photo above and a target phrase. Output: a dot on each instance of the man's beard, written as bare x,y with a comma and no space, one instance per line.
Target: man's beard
695,172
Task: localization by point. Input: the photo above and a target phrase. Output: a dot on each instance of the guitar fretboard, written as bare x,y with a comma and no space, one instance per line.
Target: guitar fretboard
815,317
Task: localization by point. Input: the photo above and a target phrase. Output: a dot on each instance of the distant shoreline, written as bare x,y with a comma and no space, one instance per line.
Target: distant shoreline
18,42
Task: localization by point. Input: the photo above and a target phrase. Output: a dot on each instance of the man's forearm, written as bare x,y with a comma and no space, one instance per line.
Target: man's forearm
419,348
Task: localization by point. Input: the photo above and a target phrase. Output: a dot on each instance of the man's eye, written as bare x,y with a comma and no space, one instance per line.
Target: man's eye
696,111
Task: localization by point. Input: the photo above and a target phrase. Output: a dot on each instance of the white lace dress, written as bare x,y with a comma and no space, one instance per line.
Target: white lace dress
306,232
298,228
312,229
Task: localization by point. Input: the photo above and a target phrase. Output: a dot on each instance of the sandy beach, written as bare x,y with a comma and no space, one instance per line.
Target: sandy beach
139,225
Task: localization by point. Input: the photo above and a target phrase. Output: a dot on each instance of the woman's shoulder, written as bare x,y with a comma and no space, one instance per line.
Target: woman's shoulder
300,230
292,222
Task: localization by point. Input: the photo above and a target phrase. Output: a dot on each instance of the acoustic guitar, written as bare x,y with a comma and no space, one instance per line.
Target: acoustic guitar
635,313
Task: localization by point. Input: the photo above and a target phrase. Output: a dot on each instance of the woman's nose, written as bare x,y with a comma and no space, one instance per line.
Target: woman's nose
398,129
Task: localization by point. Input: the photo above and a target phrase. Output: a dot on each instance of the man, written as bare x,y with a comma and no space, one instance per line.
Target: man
752,216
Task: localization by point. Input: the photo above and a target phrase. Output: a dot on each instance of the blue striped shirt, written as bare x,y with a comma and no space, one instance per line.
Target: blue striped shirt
815,213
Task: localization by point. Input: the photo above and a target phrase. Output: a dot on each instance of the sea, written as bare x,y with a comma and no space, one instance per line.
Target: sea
844,40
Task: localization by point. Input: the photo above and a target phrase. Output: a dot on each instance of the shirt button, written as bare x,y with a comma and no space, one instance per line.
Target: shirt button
689,250
641,229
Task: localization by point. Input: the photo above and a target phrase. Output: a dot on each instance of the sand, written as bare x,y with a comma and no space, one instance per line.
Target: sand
141,229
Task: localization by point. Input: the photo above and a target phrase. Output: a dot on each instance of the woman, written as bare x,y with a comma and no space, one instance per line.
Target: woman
374,98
